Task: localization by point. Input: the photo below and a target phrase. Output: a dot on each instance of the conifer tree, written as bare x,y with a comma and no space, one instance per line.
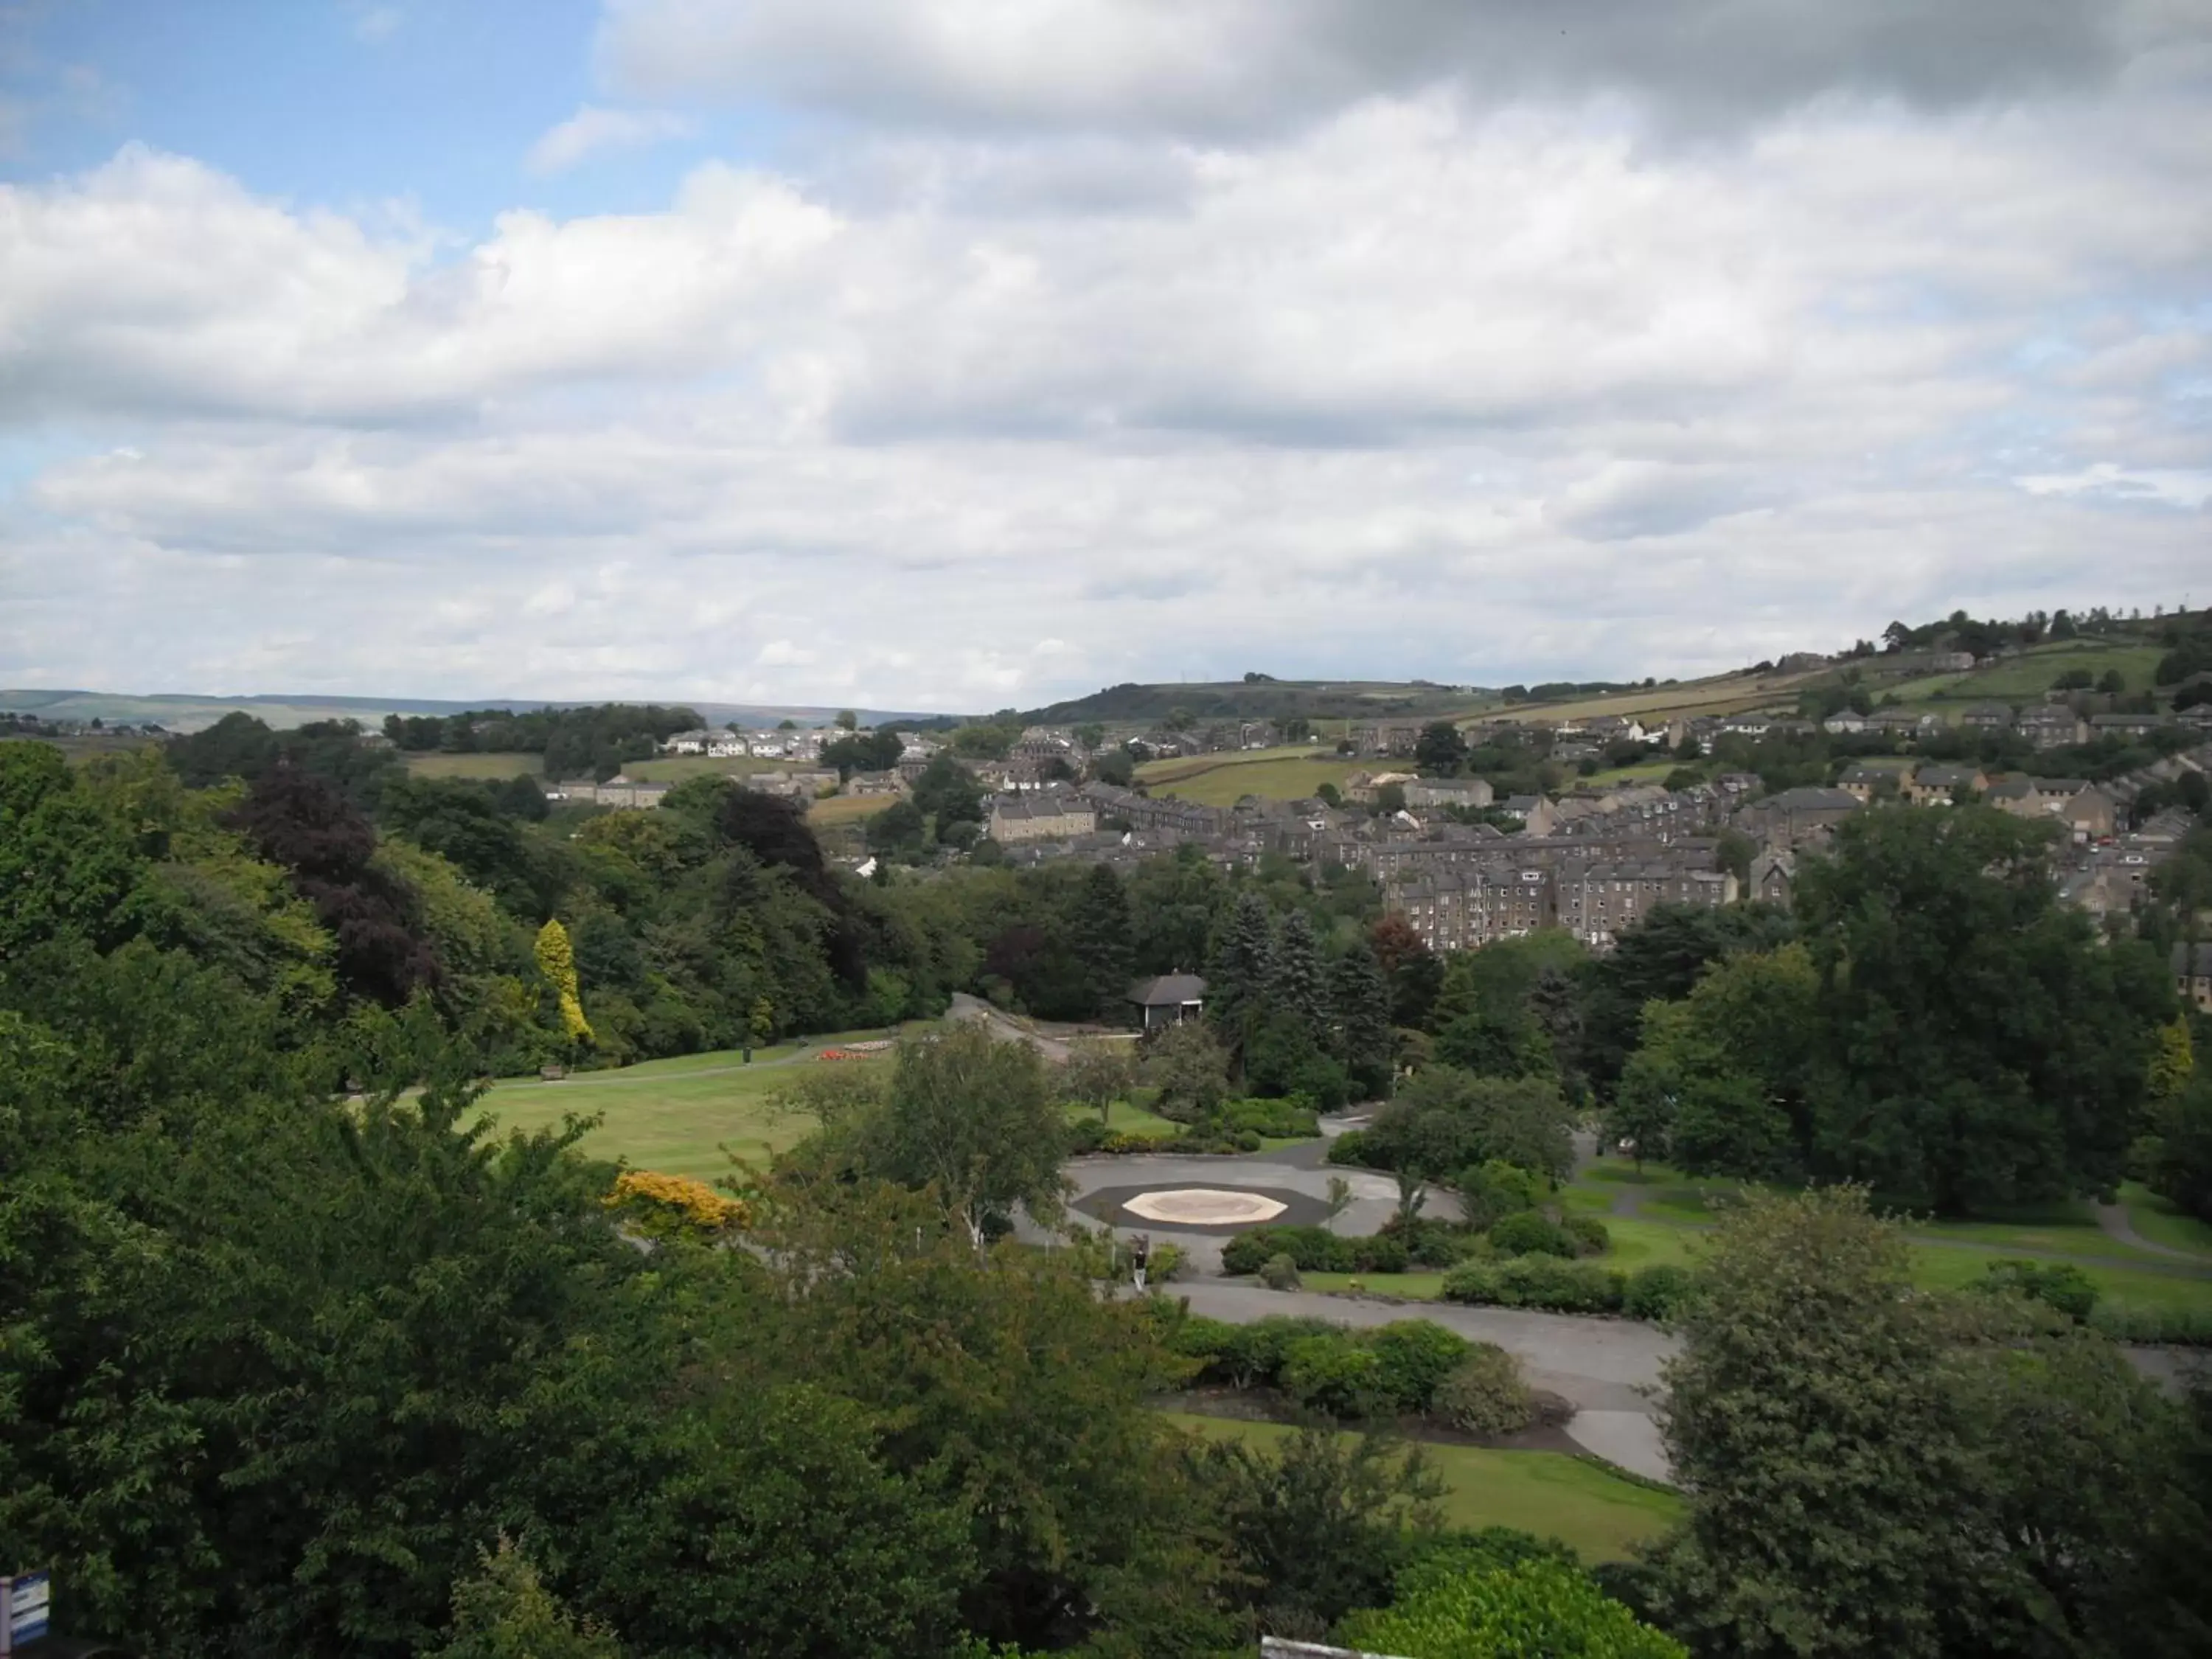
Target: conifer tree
1297,985
1243,966
1103,936
1361,1003
556,960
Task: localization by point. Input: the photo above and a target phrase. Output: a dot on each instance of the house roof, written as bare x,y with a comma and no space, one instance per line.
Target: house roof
2194,960
1168,991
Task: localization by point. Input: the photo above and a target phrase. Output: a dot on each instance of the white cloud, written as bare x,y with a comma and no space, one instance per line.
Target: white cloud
591,130
375,24
955,420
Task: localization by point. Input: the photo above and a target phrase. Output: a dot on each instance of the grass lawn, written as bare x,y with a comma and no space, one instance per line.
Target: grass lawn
669,1114
1128,1120
1548,1493
675,768
2163,1222
1419,1286
833,810
474,766
1642,772
1270,774
2028,676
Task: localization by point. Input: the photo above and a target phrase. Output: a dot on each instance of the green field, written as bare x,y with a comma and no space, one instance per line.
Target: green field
673,1115
2026,678
836,810
1551,1494
675,768
1270,774
474,766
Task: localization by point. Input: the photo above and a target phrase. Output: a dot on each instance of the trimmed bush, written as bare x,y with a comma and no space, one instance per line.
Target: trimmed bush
1432,1244
1350,1149
1537,1607
1414,1356
1293,1118
1656,1293
2056,1284
1528,1233
1496,1189
1332,1374
1483,1394
1537,1281
1588,1234
1313,1250
1280,1272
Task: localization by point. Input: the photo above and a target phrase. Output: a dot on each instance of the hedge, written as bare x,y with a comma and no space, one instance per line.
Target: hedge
1395,1367
1315,1249
1538,1281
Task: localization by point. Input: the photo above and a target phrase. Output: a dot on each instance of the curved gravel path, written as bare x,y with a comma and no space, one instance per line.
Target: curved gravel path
2112,1220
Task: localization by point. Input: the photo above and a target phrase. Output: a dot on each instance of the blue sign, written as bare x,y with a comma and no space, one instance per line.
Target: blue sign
29,1600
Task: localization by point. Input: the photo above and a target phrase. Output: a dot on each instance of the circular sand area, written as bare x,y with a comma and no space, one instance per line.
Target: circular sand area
1205,1207
1200,1209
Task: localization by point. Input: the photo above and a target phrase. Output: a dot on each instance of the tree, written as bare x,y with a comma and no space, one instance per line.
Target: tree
1101,936
1977,1042
1096,1074
1441,749
1411,969
1091,734
899,828
848,720
975,1118
1389,799
505,1612
1243,969
1190,1069
1874,1471
948,792
556,962
1661,958
1319,1525
1535,1606
1360,1003
1296,985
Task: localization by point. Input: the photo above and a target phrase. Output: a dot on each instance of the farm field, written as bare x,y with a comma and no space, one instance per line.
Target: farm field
2028,676
673,1115
836,810
474,766
1551,1494
1730,693
1270,774
1643,772
675,768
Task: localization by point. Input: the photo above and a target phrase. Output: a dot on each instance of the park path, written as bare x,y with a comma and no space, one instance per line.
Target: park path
2113,1219
1608,1368
1007,1029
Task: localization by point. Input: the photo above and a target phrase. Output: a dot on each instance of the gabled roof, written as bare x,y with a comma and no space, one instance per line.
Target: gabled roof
1168,991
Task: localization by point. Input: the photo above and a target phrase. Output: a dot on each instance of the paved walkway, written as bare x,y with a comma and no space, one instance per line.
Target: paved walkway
1608,1368
2113,1219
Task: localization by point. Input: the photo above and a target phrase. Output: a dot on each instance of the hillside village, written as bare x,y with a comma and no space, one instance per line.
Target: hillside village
1646,806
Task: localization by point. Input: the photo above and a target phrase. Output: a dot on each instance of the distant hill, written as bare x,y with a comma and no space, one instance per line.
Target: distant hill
194,711
1265,700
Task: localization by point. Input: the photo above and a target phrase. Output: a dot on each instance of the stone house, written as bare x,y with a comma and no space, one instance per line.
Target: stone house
1847,720
1538,816
1045,815
1449,792
2125,725
1379,737
1795,816
1988,717
1867,783
1936,786
1463,908
2054,726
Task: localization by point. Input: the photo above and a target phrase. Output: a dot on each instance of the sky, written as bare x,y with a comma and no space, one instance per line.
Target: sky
969,354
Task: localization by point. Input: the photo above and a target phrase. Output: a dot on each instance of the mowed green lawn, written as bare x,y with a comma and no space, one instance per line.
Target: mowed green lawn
2028,676
1270,774
1549,1493
675,768
672,1116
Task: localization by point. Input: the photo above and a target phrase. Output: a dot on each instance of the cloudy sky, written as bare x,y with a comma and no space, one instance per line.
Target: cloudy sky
963,353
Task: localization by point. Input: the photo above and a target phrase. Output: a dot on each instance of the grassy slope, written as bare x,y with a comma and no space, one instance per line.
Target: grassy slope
474,766
670,1114
1270,774
1730,693
2163,1222
2026,678
1548,1493
675,768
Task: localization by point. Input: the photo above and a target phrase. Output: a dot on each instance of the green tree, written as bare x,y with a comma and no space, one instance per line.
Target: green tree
1660,958
1297,986
1096,1074
975,1118
1359,1001
948,792
505,1612
1243,969
1534,1607
1977,1043
1101,935
899,828
1441,749
1190,1069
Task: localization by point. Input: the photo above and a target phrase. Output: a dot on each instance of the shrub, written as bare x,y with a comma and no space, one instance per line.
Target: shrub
1248,1140
1350,1150
1280,1272
2056,1284
1496,1189
1313,1250
1266,1343
1528,1233
668,1206
1483,1394
1537,1281
1538,1606
1291,1118
1656,1293
1211,1342
1414,1356
1590,1235
1432,1243
1332,1374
